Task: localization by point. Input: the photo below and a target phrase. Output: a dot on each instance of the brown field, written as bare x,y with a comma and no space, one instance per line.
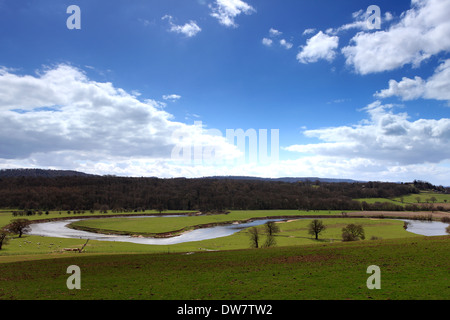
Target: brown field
400,214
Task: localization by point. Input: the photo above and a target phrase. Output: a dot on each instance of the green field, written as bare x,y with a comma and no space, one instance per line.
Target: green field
411,268
151,227
298,267
291,234
380,200
425,196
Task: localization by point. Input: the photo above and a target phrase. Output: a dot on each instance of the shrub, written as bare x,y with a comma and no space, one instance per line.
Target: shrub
353,232
445,219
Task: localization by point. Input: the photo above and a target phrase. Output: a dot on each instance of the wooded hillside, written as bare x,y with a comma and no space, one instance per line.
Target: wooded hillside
205,194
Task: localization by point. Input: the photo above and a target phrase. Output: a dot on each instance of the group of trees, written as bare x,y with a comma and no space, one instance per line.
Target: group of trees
351,232
204,194
256,235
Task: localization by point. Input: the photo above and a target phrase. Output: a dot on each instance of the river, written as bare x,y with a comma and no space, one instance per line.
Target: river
59,229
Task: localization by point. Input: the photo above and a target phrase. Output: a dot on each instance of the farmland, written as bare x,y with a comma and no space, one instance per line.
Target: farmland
412,268
295,266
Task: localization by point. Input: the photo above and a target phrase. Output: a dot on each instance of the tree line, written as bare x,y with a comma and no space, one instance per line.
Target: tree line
202,194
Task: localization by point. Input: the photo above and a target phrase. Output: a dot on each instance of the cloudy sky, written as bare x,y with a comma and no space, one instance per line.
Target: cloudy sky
153,87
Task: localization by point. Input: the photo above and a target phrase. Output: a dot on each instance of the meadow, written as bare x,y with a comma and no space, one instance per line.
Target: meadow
292,233
411,268
425,197
298,267
162,225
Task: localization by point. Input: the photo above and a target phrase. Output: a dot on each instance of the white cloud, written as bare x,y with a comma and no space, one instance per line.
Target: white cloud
423,31
274,33
227,10
407,89
267,42
388,16
309,31
189,29
386,137
285,44
171,97
320,46
436,87
68,120
360,22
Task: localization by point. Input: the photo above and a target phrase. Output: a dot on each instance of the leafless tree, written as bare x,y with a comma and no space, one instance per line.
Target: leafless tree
254,237
18,226
316,227
3,238
271,228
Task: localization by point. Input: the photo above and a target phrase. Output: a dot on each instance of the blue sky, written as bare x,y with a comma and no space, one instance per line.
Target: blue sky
109,98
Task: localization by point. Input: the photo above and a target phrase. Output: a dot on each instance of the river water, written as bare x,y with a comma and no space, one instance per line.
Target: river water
59,229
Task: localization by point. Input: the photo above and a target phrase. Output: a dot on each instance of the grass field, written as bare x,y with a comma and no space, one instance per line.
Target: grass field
298,267
380,200
425,197
151,227
411,268
291,234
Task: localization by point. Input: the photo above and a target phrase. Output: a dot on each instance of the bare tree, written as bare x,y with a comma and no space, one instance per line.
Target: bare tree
3,238
316,227
18,226
271,228
254,237
406,224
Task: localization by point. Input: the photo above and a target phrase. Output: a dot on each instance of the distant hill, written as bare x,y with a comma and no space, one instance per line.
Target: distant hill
286,179
48,173
45,173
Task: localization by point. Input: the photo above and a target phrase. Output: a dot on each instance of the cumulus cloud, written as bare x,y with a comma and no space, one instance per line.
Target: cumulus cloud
421,32
320,46
386,136
436,87
189,29
287,45
273,34
66,119
267,42
227,10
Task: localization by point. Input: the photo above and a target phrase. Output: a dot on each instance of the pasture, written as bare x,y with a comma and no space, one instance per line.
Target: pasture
411,268
298,267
